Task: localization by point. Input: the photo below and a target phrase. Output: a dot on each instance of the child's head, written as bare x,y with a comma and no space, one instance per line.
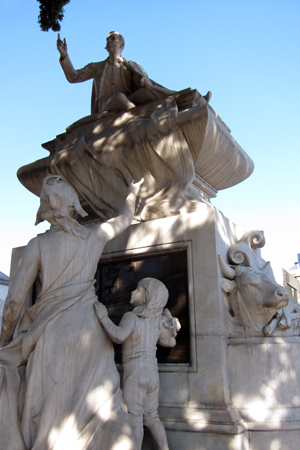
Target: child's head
150,296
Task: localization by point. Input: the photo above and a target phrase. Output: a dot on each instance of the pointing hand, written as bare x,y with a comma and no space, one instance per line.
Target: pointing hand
62,46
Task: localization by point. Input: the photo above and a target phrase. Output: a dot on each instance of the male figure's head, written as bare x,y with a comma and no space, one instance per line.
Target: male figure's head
150,296
115,44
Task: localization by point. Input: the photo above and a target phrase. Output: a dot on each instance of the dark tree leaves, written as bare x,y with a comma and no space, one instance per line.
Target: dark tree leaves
51,13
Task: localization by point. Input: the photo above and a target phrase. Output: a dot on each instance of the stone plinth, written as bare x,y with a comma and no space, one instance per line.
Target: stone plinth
231,393
212,402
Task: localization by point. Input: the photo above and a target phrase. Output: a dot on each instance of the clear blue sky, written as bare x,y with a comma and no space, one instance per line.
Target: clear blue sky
245,52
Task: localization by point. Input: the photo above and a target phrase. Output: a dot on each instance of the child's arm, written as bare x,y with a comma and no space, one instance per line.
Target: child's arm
169,328
117,333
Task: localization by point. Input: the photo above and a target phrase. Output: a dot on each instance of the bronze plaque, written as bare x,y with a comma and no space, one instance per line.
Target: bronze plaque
116,279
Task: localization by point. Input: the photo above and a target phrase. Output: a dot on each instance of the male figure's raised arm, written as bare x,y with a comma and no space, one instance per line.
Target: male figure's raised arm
19,289
72,75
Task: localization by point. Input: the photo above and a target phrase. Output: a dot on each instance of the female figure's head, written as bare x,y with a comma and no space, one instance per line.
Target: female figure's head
58,203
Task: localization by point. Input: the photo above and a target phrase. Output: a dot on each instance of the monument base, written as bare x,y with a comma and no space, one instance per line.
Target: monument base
216,392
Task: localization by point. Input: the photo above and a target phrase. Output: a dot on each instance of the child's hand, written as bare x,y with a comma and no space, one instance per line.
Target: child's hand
100,310
167,314
170,322
176,324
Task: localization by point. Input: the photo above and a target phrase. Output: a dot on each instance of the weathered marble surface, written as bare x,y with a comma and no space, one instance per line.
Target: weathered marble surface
236,389
174,140
118,84
256,304
139,332
235,393
171,147
286,322
59,384
253,294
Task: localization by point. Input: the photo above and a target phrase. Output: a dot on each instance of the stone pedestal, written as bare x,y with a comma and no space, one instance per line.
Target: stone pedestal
195,403
264,387
230,393
236,393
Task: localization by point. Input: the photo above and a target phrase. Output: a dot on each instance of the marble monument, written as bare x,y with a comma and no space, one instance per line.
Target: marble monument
230,382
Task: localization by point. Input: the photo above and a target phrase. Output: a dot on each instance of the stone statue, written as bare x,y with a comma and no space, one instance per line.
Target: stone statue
59,383
286,321
139,331
174,140
253,293
118,85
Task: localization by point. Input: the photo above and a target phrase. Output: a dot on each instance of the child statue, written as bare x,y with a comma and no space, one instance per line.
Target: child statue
139,331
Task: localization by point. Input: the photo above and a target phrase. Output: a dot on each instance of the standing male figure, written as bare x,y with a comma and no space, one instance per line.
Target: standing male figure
118,84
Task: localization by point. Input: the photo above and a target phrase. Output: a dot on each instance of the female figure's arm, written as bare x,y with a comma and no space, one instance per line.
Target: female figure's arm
115,226
19,289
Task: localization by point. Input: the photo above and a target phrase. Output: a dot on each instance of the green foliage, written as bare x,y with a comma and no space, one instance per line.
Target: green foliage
51,13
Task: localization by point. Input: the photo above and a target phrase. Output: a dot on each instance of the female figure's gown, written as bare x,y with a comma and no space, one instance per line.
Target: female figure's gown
59,383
